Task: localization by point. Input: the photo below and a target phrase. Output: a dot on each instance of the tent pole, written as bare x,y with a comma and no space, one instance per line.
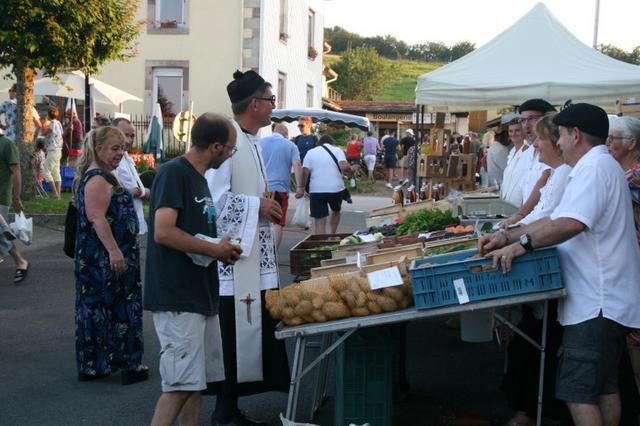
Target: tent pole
595,25
87,103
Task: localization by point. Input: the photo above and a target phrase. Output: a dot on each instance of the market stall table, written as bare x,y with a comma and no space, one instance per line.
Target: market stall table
349,325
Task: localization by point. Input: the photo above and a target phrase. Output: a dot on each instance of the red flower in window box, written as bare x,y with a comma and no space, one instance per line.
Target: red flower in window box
312,53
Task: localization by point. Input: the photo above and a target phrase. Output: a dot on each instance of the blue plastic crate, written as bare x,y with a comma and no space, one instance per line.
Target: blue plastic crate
364,378
432,277
67,172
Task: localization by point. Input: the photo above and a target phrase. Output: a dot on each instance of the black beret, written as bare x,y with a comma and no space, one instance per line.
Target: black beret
539,105
243,85
588,118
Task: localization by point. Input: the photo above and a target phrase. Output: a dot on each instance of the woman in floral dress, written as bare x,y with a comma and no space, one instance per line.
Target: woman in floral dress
107,267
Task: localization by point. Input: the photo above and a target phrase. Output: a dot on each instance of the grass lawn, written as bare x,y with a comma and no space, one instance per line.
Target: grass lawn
402,87
47,205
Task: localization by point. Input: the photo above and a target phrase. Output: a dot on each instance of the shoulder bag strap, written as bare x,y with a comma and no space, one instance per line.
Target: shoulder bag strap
335,160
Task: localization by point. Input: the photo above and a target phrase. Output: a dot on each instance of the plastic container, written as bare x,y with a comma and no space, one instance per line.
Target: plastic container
364,378
432,277
482,206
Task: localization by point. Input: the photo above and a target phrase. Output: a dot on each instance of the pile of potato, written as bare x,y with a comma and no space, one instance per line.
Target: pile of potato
305,303
362,301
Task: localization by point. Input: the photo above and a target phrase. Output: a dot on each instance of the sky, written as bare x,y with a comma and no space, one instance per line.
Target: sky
478,21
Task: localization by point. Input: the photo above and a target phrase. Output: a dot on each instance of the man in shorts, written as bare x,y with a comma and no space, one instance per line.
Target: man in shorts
593,228
181,290
280,156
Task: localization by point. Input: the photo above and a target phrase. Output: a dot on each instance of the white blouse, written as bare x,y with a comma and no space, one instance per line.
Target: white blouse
550,194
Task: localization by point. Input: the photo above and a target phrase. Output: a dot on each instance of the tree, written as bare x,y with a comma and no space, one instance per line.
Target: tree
461,48
59,35
362,73
615,52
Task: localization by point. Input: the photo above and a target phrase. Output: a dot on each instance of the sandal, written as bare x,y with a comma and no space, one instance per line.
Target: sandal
129,377
20,275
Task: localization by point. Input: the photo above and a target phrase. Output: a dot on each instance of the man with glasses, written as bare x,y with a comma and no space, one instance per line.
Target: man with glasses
127,173
8,109
254,361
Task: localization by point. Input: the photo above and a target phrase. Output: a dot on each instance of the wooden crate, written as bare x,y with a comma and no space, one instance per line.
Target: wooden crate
304,255
392,255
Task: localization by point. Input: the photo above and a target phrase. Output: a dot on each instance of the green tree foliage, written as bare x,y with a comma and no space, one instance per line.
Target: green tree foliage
60,35
363,73
392,48
615,52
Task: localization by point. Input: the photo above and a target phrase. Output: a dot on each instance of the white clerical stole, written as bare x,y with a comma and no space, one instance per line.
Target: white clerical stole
236,188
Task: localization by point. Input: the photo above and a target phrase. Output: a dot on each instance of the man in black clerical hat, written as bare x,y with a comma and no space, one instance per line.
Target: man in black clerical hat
254,360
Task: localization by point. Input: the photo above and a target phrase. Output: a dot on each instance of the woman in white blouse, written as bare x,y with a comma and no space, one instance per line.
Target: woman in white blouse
549,154
53,145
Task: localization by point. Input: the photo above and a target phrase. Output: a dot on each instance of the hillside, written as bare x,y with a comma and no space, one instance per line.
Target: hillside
403,86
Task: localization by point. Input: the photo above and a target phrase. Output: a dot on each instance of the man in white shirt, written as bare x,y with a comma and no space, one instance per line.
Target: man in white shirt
511,188
128,175
594,229
8,109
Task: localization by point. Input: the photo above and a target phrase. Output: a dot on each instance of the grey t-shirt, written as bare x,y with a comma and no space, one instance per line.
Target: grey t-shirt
173,282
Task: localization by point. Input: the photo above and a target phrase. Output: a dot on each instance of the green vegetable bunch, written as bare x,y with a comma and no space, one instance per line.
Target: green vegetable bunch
426,221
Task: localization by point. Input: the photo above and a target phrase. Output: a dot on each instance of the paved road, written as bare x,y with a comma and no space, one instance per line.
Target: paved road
38,383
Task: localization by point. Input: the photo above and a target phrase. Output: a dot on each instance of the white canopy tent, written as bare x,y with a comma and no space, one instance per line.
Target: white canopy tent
537,57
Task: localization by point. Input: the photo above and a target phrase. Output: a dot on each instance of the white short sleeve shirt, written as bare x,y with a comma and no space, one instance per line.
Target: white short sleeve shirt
531,173
550,194
601,265
511,188
325,176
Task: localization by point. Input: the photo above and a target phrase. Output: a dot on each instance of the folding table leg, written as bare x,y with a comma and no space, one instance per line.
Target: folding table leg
298,378
543,348
294,378
319,391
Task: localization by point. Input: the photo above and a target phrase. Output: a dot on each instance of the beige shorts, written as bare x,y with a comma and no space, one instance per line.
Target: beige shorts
403,162
191,350
51,167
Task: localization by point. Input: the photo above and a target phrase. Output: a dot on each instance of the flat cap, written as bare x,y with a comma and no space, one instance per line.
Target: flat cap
588,118
243,85
539,105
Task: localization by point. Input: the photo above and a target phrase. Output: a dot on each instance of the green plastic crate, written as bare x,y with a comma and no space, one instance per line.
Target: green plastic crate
364,378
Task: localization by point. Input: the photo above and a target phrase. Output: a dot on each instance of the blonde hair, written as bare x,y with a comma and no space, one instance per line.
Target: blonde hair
306,120
94,138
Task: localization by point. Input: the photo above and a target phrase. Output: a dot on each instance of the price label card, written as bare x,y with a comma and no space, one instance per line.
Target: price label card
461,291
388,277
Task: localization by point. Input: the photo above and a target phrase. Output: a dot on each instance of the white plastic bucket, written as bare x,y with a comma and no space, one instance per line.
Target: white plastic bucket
477,326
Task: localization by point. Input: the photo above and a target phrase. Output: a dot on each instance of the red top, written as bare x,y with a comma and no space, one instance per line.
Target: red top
353,149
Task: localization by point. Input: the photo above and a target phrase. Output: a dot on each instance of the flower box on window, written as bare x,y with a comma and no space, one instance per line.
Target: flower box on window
284,36
312,53
169,24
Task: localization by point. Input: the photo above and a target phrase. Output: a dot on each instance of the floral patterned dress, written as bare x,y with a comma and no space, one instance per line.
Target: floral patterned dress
108,310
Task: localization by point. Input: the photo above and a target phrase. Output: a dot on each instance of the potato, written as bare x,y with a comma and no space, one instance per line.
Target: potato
275,312
360,312
349,298
405,302
307,295
303,308
271,297
307,318
387,304
318,315
292,321
317,302
288,313
373,307
361,299
354,286
330,296
364,284
291,298
334,310
394,292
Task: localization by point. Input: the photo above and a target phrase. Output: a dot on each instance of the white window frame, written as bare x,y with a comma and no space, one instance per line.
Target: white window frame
310,95
181,23
311,28
168,72
282,90
283,21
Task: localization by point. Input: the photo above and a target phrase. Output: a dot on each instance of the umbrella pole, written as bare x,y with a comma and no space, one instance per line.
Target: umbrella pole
188,143
87,102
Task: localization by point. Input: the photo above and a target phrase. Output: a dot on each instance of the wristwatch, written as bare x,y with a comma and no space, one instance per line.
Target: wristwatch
525,241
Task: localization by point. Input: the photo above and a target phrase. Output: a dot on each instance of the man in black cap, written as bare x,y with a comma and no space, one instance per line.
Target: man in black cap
254,360
593,228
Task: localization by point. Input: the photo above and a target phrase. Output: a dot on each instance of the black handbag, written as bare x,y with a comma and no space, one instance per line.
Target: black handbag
70,230
345,194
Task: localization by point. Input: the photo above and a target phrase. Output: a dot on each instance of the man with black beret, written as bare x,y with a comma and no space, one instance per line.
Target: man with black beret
254,360
593,228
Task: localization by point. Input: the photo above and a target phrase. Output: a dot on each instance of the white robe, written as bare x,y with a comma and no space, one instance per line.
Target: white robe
236,187
128,177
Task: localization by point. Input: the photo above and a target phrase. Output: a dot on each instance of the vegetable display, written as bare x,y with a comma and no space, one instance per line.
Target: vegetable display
426,221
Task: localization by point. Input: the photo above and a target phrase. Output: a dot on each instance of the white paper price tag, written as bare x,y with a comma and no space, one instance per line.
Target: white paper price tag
461,291
388,277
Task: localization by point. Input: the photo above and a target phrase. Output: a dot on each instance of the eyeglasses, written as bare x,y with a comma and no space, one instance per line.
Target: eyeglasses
271,99
612,138
233,150
525,120
301,125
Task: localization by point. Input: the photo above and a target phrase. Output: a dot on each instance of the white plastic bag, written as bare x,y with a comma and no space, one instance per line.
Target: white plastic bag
23,228
301,215
286,422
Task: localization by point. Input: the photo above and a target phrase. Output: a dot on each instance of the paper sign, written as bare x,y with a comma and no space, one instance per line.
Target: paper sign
359,259
461,291
388,277
367,238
